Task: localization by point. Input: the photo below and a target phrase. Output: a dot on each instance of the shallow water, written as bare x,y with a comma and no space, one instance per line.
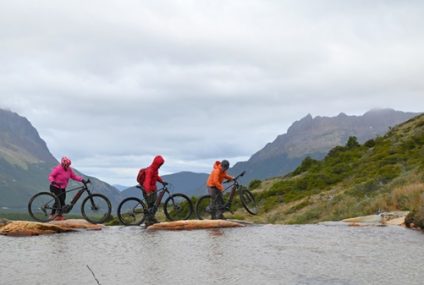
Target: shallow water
310,254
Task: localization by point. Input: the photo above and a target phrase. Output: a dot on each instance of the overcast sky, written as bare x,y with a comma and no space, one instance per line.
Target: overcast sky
113,83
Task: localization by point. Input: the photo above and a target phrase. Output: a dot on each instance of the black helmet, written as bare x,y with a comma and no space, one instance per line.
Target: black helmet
225,164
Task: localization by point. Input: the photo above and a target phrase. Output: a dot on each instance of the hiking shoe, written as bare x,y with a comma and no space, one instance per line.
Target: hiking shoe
147,224
221,217
59,218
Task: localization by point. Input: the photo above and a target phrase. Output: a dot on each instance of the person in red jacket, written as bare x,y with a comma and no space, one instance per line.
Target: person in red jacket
59,178
149,187
215,188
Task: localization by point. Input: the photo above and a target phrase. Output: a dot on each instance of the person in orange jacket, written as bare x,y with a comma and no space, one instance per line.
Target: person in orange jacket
215,188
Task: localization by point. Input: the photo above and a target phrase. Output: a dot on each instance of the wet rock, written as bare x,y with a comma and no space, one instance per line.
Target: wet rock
374,219
194,225
396,222
77,224
24,228
27,228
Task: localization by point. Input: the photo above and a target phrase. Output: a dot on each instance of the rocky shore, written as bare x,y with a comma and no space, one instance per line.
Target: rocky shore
28,228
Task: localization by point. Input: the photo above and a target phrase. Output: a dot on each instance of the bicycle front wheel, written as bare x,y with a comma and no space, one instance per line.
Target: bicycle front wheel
203,207
131,212
178,207
96,208
248,201
43,206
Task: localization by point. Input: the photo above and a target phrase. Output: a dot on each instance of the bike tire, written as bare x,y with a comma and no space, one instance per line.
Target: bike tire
202,207
131,212
102,209
178,207
41,204
248,201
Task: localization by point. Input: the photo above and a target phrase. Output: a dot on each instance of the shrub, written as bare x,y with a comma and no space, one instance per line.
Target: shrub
255,184
352,142
370,143
306,164
416,217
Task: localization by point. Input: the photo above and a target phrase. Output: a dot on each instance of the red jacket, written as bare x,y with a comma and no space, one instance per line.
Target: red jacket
152,174
217,176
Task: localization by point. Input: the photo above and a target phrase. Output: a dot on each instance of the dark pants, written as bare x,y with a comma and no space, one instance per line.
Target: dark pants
61,195
217,203
150,200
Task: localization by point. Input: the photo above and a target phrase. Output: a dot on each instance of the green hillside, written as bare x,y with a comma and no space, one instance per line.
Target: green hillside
383,174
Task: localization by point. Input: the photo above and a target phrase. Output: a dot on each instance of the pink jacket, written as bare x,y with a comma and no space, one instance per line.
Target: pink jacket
61,176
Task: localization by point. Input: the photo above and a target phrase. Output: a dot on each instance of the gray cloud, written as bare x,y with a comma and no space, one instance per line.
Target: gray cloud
112,83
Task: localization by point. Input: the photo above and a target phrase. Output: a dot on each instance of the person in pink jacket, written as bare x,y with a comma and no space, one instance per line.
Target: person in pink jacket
59,178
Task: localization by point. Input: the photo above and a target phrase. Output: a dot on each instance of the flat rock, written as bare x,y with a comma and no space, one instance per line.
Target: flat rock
28,228
194,225
388,218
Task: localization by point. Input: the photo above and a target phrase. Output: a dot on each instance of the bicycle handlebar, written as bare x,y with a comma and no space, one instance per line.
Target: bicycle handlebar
236,178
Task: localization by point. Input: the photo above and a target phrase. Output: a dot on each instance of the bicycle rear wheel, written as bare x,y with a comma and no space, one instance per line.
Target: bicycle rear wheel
96,208
131,212
178,207
248,201
41,206
203,207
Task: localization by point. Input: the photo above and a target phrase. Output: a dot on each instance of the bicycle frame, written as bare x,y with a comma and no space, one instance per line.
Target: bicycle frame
81,189
234,187
161,193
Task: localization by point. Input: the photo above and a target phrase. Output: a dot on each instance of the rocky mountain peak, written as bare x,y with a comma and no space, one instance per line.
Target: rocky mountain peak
18,138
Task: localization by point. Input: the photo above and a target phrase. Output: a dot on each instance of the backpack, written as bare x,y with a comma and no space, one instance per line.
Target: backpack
141,176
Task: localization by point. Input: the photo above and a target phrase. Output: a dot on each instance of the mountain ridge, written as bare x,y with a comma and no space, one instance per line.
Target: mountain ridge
314,137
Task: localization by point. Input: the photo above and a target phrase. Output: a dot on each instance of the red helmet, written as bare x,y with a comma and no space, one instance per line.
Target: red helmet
66,162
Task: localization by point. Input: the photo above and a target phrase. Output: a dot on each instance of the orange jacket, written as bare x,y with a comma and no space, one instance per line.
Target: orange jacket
217,176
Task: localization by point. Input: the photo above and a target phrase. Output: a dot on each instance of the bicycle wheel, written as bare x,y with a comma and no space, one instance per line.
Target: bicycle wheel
41,206
131,211
202,207
96,208
178,207
248,201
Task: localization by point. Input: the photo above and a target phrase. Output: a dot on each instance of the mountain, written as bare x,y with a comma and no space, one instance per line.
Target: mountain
25,162
120,187
189,183
314,137
382,174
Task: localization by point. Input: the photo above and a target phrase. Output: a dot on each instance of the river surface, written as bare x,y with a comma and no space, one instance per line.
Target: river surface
269,254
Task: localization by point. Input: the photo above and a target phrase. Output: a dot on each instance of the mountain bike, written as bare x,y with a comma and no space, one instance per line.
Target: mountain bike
95,208
132,211
246,197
